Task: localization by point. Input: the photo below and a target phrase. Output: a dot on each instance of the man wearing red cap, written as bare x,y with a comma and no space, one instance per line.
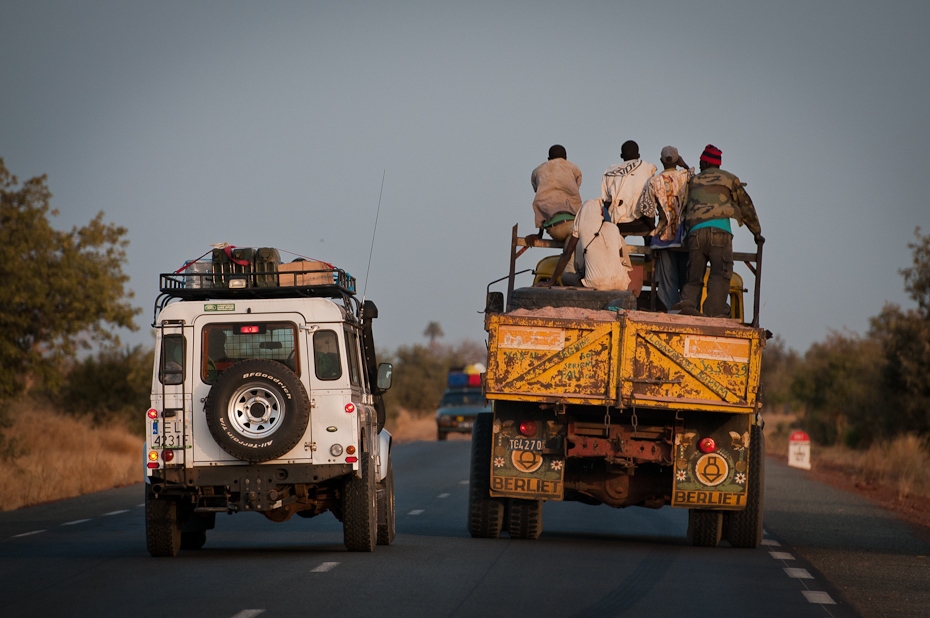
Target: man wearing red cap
714,197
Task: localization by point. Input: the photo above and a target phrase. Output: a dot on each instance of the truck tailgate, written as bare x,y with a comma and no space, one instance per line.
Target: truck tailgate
628,358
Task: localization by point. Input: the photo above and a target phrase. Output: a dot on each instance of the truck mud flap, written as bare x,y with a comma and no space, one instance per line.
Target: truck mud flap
712,462
529,465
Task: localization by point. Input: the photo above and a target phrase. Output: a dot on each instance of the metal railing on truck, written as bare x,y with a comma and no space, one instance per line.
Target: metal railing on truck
753,261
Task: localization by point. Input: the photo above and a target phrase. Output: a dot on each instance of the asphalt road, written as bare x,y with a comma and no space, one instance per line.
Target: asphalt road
87,557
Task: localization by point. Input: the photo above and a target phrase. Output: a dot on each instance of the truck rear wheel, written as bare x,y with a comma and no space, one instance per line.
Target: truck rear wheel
387,526
744,528
257,410
162,527
360,509
485,514
524,519
705,528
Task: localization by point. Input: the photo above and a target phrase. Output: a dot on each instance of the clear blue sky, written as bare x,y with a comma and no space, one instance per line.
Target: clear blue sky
270,124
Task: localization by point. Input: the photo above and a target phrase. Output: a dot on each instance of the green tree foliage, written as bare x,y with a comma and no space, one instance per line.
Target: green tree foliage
778,366
905,339
113,384
62,291
839,386
860,389
420,373
433,332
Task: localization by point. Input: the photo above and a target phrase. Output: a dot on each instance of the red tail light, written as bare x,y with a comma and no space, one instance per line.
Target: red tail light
167,455
528,428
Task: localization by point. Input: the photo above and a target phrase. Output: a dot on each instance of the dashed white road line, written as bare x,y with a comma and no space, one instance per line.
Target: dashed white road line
463,482
249,613
115,512
817,597
415,512
326,566
16,536
75,522
443,496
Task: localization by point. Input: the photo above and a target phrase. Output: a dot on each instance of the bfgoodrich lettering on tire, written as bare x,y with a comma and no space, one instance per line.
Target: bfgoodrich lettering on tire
257,410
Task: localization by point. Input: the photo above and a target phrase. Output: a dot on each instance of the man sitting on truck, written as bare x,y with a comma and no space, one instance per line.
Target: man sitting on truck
601,260
714,197
556,183
621,189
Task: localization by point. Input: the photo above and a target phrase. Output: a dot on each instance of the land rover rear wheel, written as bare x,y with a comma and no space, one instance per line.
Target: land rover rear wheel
162,527
387,527
360,509
257,410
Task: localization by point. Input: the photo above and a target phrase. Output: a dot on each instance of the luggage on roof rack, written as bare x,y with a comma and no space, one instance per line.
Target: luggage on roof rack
246,272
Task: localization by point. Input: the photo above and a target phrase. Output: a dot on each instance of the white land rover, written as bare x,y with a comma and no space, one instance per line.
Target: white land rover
266,397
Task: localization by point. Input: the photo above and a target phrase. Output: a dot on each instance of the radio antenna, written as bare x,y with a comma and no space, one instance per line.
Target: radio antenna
373,233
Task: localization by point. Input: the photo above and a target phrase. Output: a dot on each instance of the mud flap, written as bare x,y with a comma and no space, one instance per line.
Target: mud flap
715,476
529,467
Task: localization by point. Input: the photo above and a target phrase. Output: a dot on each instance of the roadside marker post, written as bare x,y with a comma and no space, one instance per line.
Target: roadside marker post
799,450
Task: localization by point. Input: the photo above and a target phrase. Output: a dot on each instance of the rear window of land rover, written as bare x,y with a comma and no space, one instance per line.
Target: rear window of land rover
223,345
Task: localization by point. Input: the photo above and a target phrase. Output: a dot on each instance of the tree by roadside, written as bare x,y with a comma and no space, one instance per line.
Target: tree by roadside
62,290
859,390
420,373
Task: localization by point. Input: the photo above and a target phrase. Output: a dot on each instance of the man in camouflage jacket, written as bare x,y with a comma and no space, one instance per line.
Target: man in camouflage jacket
714,197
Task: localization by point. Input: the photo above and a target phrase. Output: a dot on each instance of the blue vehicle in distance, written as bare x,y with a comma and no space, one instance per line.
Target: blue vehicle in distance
462,402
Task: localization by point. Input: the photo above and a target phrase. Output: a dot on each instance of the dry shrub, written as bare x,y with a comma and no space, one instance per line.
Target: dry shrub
65,456
903,463
411,427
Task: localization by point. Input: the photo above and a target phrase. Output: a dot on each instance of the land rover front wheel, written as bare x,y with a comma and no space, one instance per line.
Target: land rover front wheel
257,410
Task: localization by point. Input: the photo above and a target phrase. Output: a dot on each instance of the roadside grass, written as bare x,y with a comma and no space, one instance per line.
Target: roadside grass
412,426
60,456
902,463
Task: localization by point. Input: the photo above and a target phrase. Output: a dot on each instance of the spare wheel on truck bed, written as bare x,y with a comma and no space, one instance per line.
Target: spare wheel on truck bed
257,410
537,298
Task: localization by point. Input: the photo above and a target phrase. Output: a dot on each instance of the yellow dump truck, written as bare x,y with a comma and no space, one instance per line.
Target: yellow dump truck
598,399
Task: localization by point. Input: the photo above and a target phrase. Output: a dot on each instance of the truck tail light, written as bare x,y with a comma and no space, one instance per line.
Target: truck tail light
528,428
152,413
167,455
350,408
707,445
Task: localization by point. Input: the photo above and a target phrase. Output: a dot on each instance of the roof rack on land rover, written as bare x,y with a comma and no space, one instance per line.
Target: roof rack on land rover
333,283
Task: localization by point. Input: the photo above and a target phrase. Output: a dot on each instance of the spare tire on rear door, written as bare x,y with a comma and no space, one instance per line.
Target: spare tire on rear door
257,410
